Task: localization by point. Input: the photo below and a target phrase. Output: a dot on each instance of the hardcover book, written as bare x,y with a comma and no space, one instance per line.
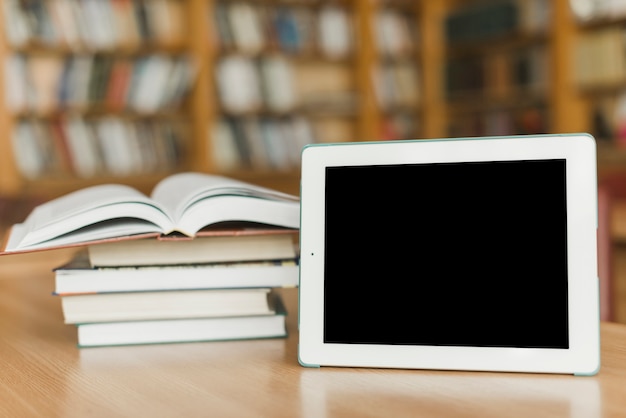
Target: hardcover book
79,276
139,306
270,325
227,245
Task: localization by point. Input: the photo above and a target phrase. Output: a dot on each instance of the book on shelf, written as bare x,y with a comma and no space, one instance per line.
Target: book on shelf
63,18
45,82
599,59
44,72
80,276
259,142
179,82
96,145
119,84
96,24
397,84
250,28
326,86
168,19
534,15
19,94
182,203
258,153
305,21
530,69
78,79
99,15
395,32
246,27
35,17
57,133
83,147
401,125
335,31
618,119
603,113
223,145
16,25
278,144
27,149
174,73
99,78
278,83
172,304
33,149
117,145
241,142
246,85
238,83
219,24
184,330
285,29
125,22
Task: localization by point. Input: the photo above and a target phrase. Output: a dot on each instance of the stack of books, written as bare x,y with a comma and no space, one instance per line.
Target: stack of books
161,291
200,260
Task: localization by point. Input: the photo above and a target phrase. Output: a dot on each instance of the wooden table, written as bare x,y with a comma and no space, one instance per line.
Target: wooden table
43,374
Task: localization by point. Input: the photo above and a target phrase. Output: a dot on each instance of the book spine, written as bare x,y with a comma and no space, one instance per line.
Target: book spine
43,83
261,143
97,146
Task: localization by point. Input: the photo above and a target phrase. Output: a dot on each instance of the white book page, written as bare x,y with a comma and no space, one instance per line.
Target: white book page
89,206
180,191
99,231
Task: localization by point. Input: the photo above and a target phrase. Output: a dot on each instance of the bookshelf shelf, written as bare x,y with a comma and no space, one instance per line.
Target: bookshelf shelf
600,44
118,50
516,39
467,102
497,67
604,89
602,22
325,87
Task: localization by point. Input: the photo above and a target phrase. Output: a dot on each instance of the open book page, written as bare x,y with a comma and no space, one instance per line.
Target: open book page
106,230
177,193
184,203
89,207
72,204
239,208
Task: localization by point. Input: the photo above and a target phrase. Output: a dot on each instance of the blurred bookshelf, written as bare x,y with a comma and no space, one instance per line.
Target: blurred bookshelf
129,91
599,60
94,92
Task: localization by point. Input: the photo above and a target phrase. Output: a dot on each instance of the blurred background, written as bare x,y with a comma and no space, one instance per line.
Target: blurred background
130,91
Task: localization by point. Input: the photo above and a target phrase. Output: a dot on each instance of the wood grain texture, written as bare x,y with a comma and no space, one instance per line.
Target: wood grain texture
42,373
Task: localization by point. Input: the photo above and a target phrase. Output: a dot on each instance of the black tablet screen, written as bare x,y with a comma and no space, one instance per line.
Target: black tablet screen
463,254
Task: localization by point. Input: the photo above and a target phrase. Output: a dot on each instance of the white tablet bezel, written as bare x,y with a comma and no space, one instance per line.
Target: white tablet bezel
583,355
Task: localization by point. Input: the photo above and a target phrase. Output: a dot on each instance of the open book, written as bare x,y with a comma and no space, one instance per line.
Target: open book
183,203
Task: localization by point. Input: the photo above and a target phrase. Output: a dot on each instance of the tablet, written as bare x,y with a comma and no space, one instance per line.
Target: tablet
452,254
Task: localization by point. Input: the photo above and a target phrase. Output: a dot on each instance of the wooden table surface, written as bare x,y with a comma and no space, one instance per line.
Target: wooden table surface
43,374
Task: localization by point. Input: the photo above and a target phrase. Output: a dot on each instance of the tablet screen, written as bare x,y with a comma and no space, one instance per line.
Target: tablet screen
447,254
